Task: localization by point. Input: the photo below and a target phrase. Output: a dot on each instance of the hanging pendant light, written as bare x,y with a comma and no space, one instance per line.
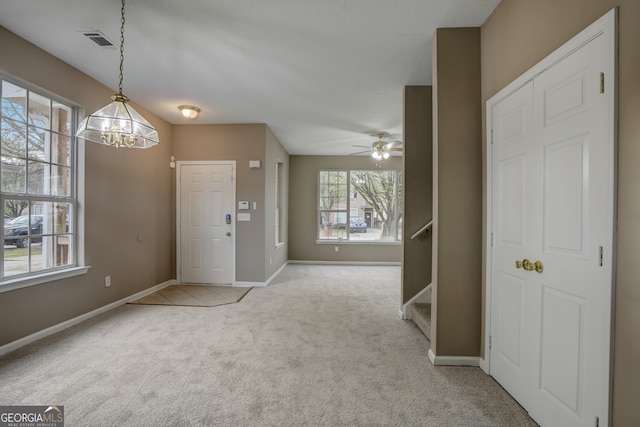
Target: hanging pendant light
118,124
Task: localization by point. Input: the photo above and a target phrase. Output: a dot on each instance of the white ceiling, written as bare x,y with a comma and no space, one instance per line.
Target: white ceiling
323,74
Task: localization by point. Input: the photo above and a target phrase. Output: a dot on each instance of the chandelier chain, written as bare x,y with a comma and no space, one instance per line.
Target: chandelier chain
121,47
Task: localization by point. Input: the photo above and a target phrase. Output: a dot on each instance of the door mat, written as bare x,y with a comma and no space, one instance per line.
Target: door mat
194,295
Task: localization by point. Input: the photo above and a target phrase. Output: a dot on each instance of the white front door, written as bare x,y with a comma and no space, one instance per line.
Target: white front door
206,244
552,222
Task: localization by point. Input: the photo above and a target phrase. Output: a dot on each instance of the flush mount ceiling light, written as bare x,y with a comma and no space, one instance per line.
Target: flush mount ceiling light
118,124
189,111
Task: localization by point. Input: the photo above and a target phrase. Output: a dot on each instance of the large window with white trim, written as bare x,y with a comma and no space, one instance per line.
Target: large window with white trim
37,181
360,205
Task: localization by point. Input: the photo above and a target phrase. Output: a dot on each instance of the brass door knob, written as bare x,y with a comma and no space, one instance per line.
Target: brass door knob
527,265
530,266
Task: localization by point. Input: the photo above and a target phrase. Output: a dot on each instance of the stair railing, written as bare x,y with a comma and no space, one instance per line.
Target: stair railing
422,230
404,312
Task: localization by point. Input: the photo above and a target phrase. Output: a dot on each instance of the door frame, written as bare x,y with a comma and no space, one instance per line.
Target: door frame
179,166
606,26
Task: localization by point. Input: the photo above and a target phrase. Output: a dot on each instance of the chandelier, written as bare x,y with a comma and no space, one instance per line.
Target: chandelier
118,124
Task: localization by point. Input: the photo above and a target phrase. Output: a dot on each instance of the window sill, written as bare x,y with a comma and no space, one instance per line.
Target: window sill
37,279
359,242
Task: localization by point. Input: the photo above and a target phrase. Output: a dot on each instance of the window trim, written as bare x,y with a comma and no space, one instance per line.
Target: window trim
76,199
347,210
34,279
278,211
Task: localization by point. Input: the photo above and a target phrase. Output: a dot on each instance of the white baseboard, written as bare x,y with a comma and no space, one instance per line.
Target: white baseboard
250,284
404,313
14,345
453,360
363,263
484,365
260,284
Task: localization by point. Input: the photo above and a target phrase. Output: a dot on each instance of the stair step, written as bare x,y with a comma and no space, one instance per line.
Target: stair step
421,316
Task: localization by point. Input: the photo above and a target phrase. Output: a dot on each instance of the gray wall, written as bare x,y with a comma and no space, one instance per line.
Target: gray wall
126,194
517,36
457,192
303,212
418,188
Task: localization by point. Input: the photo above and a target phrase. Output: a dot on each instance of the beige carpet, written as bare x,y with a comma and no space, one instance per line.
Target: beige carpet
194,295
320,346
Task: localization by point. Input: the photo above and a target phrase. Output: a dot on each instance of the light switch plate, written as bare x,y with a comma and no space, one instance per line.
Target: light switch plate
244,217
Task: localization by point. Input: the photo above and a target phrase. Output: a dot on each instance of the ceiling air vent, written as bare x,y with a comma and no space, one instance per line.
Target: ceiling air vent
98,38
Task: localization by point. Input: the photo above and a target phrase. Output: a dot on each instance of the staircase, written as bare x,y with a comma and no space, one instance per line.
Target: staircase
421,316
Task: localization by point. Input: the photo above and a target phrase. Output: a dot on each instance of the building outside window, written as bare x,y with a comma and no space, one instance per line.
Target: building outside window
360,205
37,181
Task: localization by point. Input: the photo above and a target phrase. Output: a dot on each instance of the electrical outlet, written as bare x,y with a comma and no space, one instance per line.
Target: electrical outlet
336,248
107,281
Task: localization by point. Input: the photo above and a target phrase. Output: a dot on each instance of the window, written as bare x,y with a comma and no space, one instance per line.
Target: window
360,205
37,182
279,210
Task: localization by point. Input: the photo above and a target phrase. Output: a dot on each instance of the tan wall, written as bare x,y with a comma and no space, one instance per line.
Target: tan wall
418,188
457,205
303,213
125,195
241,143
518,35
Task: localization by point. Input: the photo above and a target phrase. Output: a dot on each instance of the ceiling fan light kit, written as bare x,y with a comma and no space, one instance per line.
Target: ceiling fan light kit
379,150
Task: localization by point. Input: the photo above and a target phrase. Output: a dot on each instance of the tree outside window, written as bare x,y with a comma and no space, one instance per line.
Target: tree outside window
37,188
360,205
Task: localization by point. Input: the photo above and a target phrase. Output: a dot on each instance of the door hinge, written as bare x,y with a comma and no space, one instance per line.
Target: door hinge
491,239
601,82
489,342
601,262
597,421
491,136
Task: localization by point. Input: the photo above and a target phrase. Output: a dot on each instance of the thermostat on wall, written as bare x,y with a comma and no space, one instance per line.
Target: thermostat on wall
254,164
243,205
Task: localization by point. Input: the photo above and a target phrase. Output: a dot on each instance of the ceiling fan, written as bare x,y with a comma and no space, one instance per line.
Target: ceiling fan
380,149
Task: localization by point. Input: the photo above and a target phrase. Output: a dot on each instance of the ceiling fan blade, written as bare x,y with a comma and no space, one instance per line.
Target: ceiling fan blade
359,152
394,149
362,146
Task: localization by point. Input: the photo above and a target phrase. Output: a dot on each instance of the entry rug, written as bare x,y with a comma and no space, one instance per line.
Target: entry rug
194,295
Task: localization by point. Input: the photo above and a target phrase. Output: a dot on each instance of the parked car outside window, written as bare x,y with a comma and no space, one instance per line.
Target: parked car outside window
358,225
16,231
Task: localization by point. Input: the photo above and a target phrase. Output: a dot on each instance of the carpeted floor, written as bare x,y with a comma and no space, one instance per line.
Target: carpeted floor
321,346
194,295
